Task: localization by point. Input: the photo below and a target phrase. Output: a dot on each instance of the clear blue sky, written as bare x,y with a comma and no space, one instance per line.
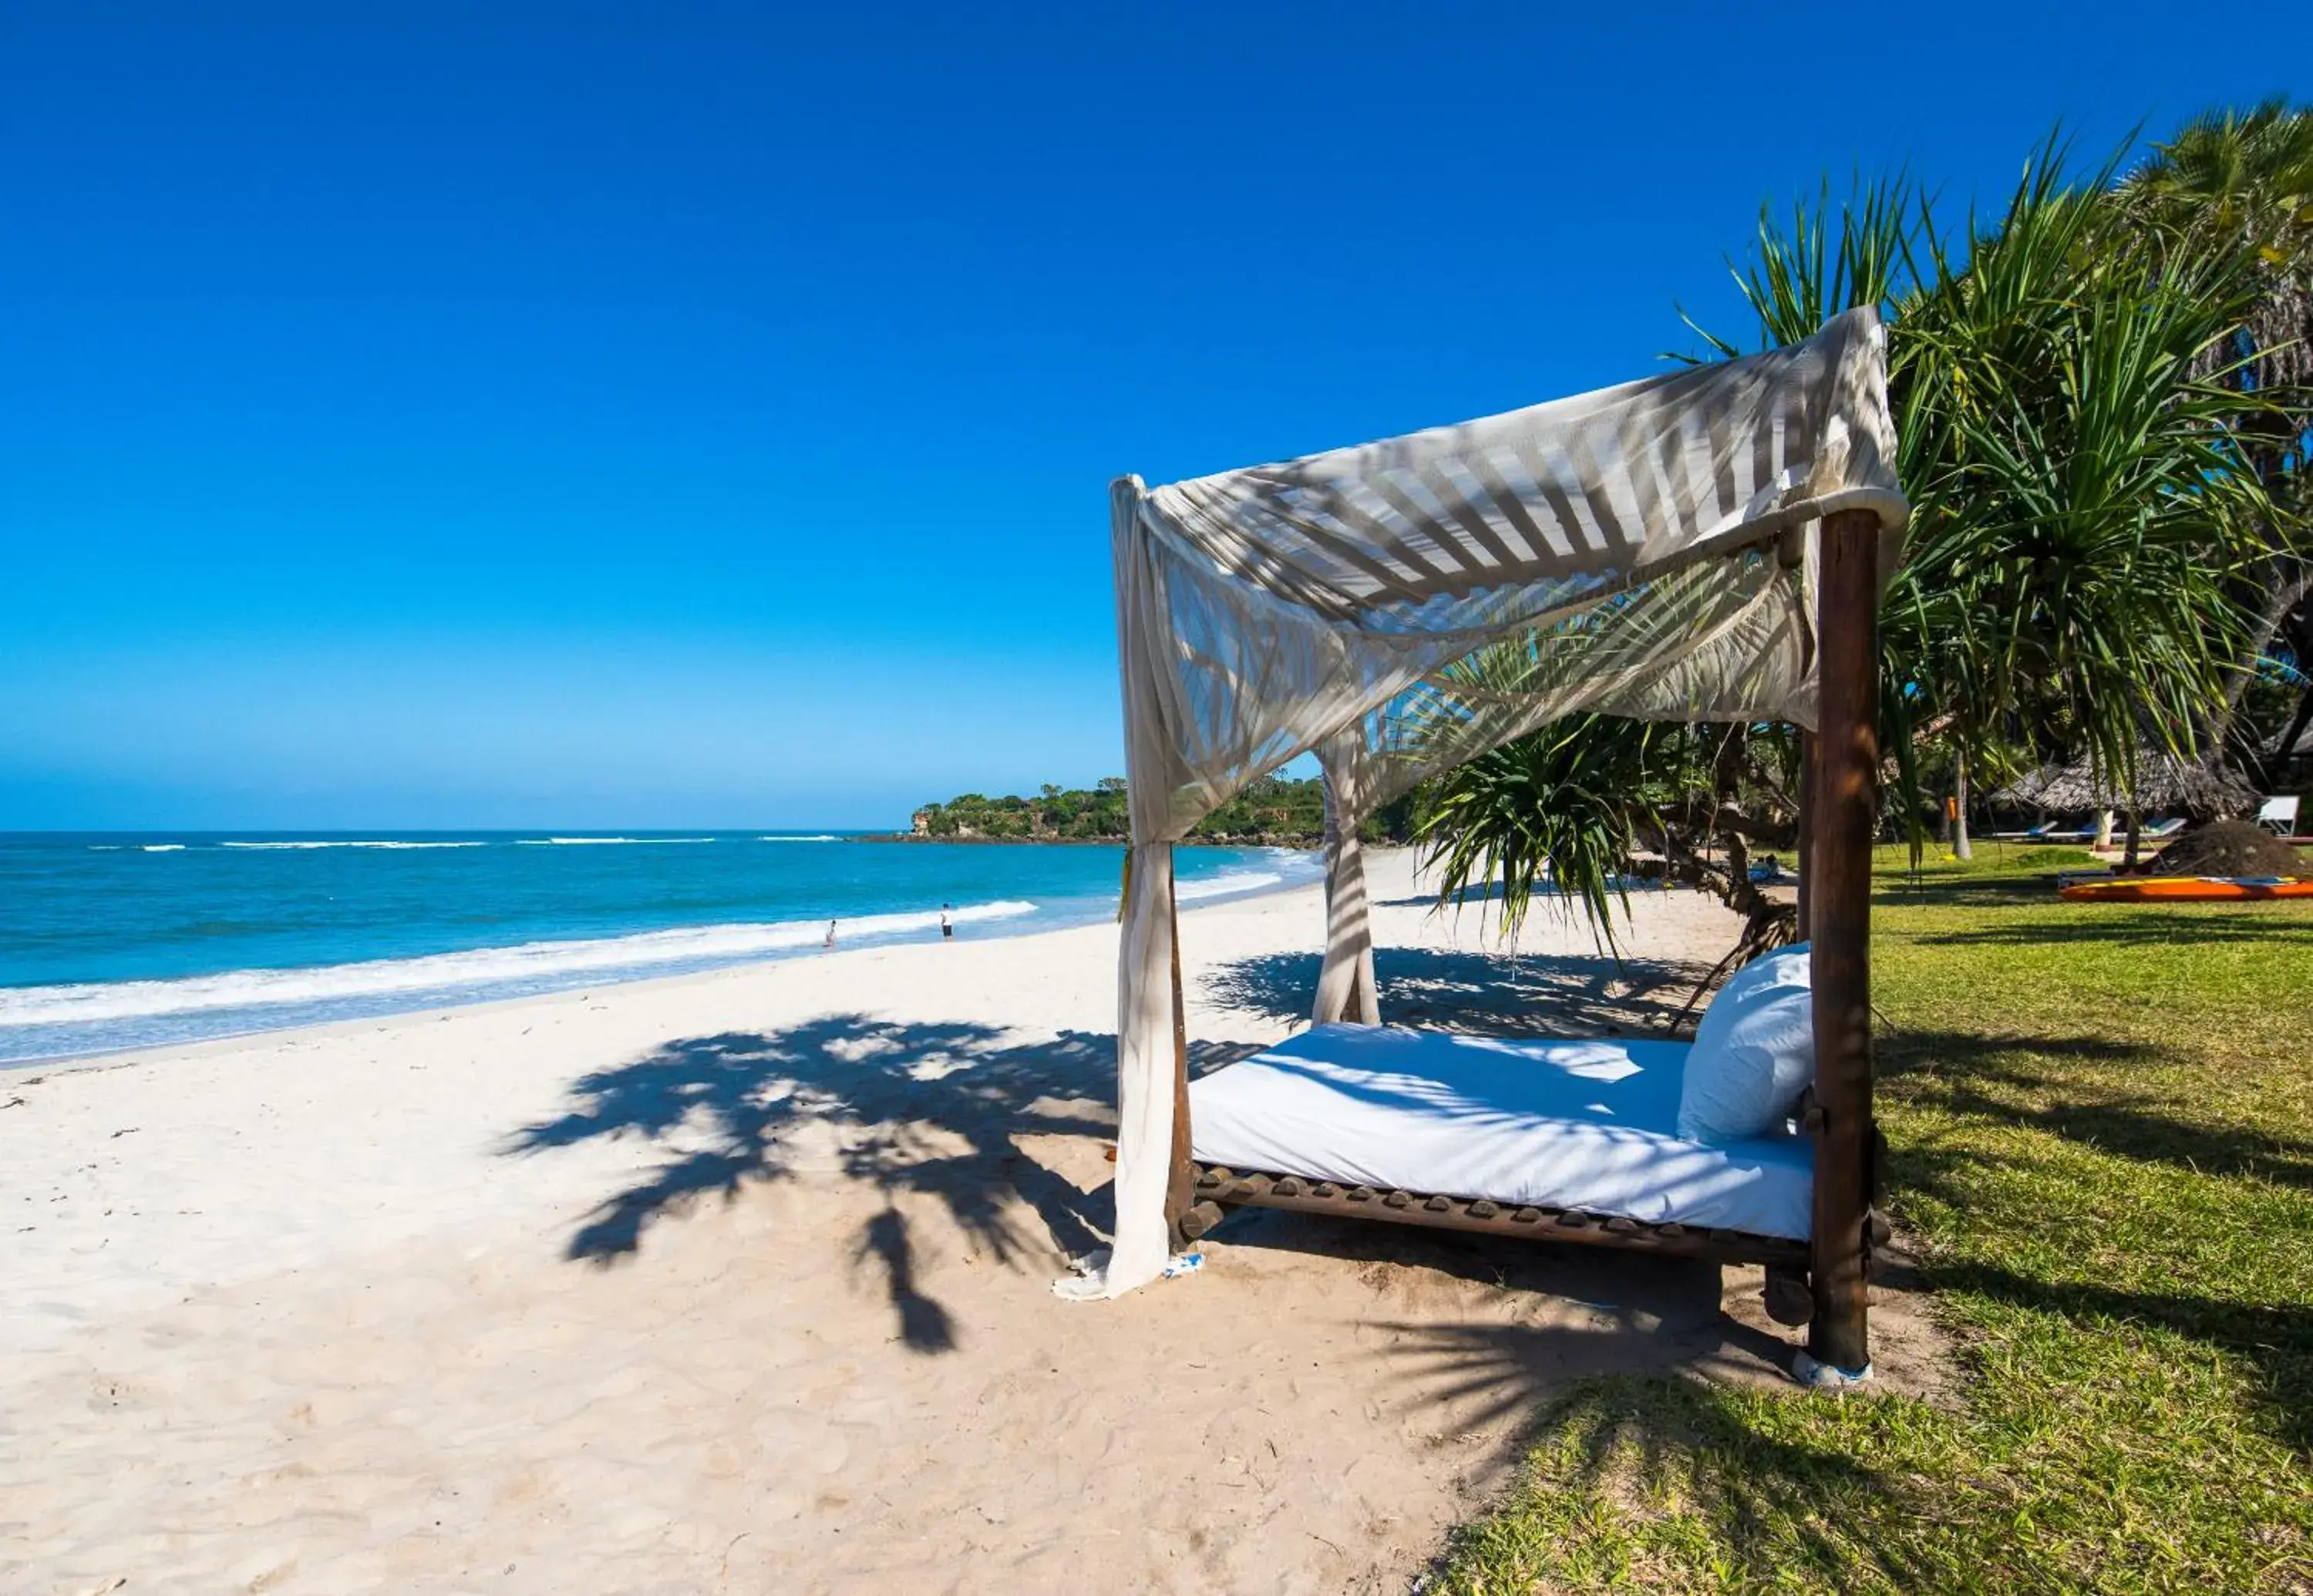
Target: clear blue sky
439,415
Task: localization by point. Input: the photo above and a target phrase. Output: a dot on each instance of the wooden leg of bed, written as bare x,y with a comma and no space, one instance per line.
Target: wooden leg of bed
1791,1299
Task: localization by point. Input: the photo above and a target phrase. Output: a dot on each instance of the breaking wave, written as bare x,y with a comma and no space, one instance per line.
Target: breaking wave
338,843
1224,884
494,972
600,842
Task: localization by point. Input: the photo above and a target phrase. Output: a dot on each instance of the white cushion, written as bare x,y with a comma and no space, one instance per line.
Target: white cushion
1754,1052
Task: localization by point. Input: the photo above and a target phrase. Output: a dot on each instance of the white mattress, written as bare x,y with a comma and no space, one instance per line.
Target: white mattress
1588,1125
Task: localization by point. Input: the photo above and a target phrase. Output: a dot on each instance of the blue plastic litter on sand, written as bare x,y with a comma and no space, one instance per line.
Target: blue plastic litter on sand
1187,1263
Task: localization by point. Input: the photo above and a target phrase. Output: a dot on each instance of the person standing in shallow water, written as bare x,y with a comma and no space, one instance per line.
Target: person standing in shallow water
947,926
830,942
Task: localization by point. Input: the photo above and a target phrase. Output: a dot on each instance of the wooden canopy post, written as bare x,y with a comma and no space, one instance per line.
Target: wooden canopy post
1845,822
1181,1182
1806,832
1791,553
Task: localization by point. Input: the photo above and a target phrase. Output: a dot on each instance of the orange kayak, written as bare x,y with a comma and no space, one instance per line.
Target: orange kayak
2183,889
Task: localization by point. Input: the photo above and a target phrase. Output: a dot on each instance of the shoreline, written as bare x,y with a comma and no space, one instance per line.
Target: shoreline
1289,844
360,1007
162,1052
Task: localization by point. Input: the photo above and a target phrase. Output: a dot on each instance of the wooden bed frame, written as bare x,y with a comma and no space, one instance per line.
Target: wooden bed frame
1220,1189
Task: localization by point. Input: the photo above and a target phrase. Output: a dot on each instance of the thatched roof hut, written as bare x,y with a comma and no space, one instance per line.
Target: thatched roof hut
2164,784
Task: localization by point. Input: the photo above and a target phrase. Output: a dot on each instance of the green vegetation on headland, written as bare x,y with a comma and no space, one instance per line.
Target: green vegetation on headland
2101,1122
1273,812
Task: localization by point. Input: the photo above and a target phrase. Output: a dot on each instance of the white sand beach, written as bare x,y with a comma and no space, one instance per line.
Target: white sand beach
741,1282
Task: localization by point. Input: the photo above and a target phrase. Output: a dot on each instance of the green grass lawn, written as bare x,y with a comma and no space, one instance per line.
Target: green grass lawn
2101,1119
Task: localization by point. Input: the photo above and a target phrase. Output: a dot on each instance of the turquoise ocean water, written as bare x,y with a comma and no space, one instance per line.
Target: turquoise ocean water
115,940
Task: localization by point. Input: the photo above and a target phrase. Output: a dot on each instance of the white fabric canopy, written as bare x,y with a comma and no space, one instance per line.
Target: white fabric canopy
1401,607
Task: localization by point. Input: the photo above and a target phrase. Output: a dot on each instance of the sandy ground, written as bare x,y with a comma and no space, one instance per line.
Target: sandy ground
740,1281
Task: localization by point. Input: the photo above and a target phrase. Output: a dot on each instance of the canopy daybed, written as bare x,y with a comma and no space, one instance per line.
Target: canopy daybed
1710,544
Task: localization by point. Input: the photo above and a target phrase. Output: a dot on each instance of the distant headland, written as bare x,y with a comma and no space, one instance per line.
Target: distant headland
1274,812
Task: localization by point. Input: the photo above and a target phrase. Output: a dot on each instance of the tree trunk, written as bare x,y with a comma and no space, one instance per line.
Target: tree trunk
1766,922
2289,586
2104,828
1960,849
2283,750
2135,834
2288,591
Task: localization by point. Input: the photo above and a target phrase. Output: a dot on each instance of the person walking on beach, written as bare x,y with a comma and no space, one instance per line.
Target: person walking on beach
947,926
831,935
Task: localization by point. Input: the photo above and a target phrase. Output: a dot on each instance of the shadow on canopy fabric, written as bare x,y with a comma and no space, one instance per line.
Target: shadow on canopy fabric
1402,606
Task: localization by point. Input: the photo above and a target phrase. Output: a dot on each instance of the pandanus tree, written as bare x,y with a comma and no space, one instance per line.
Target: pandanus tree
2072,433
2084,508
2243,180
1579,801
2076,418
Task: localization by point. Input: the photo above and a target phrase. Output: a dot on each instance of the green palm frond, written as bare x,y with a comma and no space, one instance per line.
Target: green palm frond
1560,807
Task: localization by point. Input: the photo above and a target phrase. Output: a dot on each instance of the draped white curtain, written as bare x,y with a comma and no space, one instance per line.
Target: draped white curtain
1346,987
1401,607
1144,972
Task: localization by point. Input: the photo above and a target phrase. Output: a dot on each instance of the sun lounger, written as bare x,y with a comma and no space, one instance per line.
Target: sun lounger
2279,815
2057,831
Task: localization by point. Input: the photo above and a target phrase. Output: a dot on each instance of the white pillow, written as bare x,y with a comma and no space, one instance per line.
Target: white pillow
1754,1052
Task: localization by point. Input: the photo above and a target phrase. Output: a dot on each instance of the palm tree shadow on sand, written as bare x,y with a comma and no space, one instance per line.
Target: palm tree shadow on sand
934,1110
1495,994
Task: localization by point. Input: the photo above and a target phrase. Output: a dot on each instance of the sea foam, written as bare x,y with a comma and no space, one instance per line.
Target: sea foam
335,842
1225,884
601,841
528,965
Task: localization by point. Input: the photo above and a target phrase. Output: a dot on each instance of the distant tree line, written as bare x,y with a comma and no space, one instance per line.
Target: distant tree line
1272,812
